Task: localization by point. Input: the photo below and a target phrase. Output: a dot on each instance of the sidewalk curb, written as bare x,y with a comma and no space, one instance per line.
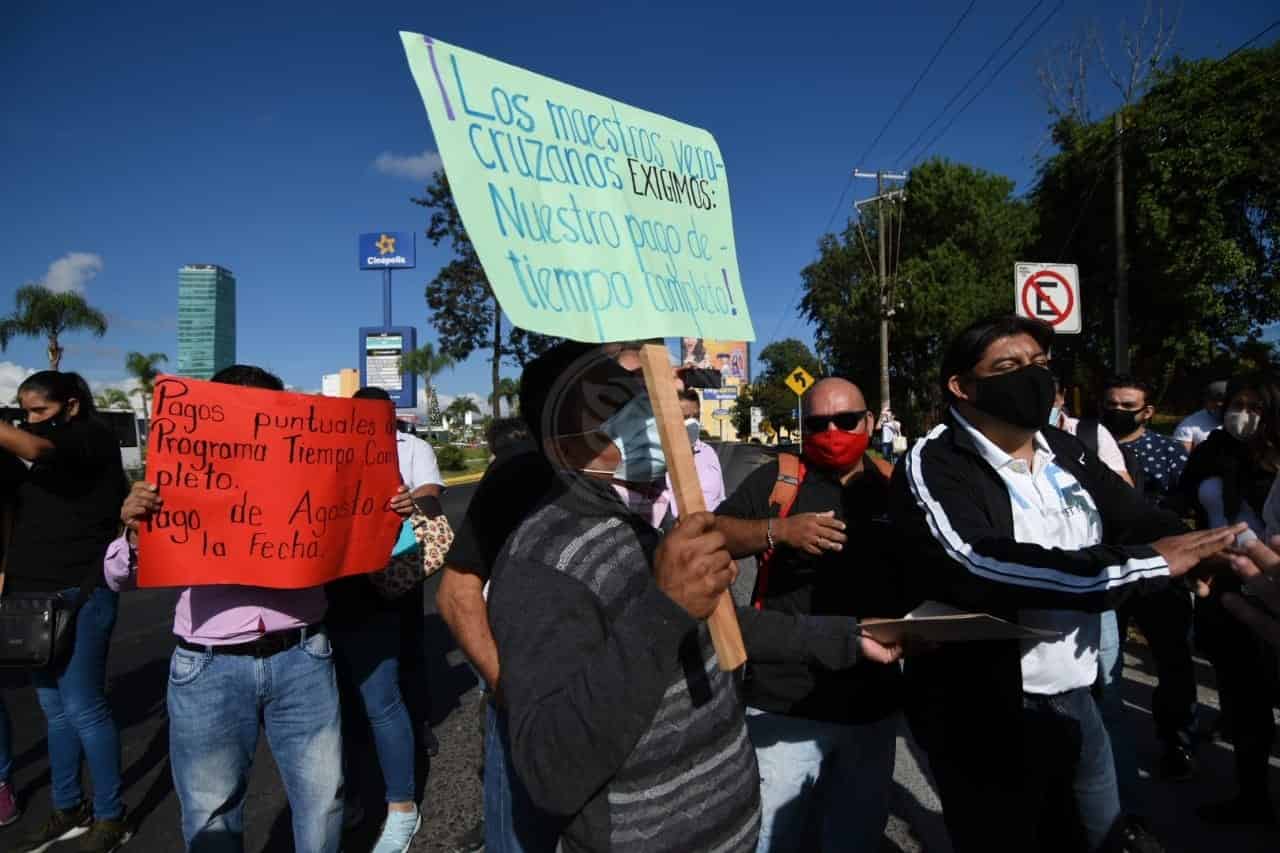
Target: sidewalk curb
464,479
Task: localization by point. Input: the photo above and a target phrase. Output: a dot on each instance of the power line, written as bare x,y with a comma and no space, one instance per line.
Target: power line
839,204
1272,26
991,58
919,156
902,103
1084,206
916,85
1114,146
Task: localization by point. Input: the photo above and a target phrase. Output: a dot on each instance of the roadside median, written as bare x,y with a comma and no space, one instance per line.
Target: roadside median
464,478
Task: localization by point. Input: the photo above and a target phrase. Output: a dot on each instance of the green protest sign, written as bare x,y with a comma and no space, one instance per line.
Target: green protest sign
594,220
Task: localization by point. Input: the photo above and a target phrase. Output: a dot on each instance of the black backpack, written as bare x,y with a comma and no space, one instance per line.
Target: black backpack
1087,433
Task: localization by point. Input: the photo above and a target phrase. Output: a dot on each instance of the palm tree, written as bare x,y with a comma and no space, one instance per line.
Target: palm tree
113,398
427,363
142,367
509,390
459,408
40,311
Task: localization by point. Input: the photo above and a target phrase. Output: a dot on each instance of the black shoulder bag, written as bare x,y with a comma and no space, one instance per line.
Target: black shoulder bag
37,629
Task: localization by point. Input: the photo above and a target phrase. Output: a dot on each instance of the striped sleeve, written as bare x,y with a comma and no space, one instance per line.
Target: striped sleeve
948,527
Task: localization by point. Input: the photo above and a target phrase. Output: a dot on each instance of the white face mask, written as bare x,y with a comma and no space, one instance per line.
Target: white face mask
694,429
1241,425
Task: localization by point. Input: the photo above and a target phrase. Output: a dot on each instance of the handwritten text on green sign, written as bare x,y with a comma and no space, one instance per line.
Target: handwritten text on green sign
593,219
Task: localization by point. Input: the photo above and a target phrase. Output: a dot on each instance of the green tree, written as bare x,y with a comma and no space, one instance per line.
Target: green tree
463,307
962,232
43,313
769,391
112,398
427,363
145,369
509,391
1202,215
780,358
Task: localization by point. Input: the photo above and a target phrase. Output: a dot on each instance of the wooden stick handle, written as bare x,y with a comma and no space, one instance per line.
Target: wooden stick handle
660,382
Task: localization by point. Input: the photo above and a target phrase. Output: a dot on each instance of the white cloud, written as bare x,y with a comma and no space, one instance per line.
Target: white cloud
11,376
128,386
72,272
482,402
417,166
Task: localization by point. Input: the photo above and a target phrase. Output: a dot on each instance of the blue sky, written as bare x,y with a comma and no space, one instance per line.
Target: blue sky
138,137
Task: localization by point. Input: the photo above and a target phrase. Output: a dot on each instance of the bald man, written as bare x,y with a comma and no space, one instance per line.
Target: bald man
824,739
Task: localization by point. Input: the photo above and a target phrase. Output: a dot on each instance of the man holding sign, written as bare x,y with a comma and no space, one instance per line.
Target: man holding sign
600,222
249,655
621,722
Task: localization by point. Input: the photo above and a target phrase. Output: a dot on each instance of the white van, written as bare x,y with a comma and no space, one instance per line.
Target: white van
123,422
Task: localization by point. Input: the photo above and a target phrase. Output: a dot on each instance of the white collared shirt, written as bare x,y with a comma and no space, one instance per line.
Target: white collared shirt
417,459
1050,509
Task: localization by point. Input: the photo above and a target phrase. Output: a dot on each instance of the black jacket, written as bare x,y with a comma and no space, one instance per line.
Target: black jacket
954,522
860,581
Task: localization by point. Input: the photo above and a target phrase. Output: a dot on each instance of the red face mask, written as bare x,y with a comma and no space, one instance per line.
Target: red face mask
835,449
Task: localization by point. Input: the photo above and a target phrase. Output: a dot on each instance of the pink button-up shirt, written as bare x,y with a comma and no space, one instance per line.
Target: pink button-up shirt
223,614
710,477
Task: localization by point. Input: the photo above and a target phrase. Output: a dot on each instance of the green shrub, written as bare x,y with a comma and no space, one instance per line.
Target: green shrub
451,457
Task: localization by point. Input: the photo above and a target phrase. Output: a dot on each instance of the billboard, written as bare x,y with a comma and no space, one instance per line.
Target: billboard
383,250
731,358
380,351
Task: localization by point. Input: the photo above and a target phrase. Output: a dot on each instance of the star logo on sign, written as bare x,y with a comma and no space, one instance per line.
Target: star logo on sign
386,245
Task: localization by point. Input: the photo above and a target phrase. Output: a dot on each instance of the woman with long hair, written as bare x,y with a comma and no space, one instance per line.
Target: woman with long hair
1227,479
70,484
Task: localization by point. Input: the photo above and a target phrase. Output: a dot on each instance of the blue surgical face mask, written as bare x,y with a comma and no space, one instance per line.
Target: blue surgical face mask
1054,414
634,430
694,429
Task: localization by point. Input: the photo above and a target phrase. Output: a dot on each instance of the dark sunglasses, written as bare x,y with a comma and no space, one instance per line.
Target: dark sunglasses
842,420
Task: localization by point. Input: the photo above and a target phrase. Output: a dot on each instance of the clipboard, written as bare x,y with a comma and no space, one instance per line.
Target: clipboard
933,622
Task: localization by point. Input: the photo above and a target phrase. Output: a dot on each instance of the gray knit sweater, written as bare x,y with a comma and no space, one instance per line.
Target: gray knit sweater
620,719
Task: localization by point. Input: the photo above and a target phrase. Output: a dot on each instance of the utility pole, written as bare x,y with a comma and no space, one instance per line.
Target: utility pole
1122,261
880,199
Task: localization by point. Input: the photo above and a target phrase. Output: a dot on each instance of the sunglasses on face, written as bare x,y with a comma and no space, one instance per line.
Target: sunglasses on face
842,420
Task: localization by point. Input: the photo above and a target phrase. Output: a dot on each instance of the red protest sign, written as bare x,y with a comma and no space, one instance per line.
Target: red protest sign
266,488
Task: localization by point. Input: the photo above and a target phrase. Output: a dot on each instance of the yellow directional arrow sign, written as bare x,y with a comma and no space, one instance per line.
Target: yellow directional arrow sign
799,381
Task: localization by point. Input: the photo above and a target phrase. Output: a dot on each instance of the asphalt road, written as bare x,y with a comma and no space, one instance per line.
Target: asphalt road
451,800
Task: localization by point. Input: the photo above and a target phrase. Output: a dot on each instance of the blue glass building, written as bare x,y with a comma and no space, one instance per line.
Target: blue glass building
206,320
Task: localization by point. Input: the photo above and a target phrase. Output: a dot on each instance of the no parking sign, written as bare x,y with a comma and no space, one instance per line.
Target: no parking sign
1049,292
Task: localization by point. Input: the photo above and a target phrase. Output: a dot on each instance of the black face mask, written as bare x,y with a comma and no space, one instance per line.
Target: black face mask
1121,422
1022,398
46,428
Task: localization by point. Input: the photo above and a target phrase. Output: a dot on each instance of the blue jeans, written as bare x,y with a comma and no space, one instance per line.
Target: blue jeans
512,823
215,704
6,744
831,776
1108,693
1042,781
73,698
368,665
1065,737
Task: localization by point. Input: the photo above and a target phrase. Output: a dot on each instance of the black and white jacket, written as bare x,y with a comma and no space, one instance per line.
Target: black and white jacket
954,519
